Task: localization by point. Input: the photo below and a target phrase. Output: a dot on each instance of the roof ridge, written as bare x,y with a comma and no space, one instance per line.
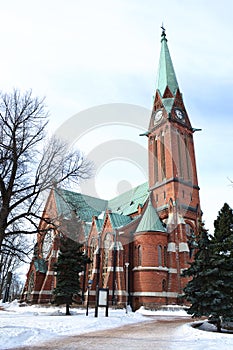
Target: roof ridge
134,188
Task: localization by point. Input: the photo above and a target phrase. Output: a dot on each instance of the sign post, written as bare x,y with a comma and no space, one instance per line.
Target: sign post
88,294
103,294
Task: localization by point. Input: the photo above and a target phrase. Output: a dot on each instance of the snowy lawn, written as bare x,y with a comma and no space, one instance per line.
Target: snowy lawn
27,325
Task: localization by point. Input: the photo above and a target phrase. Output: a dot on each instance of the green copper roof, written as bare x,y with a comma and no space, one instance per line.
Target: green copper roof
166,74
168,103
40,265
128,202
84,206
118,220
150,221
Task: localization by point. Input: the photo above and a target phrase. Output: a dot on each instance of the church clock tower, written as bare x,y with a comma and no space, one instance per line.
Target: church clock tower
172,166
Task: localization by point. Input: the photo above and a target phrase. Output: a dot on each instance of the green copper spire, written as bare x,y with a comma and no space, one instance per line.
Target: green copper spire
150,220
166,74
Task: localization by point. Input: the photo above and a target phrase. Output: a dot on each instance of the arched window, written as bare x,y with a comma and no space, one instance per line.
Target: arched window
156,160
164,285
93,247
165,255
106,247
159,255
139,255
187,157
191,239
179,155
163,160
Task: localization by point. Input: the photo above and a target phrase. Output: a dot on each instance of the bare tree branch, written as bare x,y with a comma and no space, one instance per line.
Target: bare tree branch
26,168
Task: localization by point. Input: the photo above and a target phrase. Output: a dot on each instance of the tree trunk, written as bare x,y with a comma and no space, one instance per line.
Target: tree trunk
68,309
218,325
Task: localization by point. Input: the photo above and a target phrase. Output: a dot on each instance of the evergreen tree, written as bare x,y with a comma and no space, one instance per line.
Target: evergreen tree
223,233
197,290
71,261
210,291
222,245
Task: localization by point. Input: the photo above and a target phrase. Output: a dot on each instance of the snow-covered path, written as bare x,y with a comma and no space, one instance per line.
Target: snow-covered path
31,325
34,326
162,333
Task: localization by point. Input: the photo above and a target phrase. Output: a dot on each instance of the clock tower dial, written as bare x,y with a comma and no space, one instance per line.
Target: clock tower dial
179,114
157,116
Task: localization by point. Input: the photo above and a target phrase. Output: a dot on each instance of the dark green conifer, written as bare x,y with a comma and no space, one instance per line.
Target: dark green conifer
223,230
210,291
198,291
71,261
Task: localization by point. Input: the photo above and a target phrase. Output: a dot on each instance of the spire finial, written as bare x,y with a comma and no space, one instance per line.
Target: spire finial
150,196
163,35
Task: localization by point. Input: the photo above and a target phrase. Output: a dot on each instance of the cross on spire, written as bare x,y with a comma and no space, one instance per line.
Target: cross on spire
163,35
166,74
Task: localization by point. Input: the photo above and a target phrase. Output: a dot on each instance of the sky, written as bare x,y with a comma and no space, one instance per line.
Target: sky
28,325
84,54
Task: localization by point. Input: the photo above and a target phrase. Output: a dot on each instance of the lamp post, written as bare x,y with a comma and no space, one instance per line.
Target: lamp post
126,285
114,269
88,294
97,277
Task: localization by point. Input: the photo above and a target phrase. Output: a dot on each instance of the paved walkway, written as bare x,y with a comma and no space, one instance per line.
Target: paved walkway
155,334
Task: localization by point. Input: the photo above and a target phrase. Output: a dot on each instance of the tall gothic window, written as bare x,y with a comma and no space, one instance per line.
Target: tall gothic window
106,248
159,255
163,160
139,255
164,285
179,155
165,255
187,157
191,239
156,160
93,247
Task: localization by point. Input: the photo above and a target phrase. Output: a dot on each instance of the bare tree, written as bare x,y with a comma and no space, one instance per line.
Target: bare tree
26,168
16,287
15,249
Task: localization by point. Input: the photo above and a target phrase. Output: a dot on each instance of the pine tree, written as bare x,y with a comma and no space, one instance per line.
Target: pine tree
197,290
210,291
222,245
71,261
223,232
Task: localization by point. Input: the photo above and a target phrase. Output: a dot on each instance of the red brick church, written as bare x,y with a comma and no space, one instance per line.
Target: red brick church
142,240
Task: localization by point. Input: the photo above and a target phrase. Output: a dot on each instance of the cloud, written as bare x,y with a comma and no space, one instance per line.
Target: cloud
80,54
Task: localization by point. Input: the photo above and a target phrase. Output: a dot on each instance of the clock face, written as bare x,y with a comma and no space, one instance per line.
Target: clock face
157,116
47,243
179,114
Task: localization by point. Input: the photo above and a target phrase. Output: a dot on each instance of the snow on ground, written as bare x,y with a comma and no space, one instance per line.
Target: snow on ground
20,326
27,325
169,310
